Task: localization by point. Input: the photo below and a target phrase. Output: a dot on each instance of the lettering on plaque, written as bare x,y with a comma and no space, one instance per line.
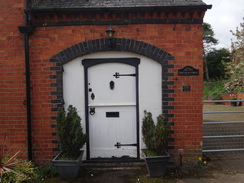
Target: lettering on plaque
188,71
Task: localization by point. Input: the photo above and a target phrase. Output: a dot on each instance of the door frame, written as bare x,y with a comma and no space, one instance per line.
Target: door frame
91,62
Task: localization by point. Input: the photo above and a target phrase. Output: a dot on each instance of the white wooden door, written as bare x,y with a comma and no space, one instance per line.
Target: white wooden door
112,110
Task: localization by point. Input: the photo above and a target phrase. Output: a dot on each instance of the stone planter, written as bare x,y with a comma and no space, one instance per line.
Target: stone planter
68,169
157,165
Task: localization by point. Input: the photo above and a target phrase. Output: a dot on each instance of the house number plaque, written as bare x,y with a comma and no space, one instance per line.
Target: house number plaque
188,71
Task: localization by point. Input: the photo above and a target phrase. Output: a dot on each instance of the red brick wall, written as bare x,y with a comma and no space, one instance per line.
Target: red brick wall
187,104
12,78
183,41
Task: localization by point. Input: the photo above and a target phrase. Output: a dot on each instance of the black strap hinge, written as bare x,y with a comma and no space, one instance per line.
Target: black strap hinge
118,145
117,75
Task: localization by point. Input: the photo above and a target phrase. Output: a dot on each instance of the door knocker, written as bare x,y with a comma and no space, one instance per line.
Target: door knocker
92,111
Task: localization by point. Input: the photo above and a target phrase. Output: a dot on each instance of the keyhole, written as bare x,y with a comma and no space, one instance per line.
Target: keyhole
111,84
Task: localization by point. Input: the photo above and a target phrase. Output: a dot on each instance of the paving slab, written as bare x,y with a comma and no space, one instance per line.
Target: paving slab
218,178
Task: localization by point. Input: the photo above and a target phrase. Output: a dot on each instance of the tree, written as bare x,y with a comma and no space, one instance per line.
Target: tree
208,42
235,69
238,45
214,58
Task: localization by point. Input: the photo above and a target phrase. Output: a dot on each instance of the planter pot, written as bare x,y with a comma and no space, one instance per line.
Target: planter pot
233,103
68,169
157,165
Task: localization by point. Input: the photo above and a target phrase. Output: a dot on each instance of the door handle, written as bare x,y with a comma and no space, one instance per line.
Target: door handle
92,111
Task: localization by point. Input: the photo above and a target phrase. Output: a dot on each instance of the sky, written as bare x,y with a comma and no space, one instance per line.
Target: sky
224,16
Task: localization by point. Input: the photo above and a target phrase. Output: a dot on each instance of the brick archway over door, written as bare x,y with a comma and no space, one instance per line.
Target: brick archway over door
115,44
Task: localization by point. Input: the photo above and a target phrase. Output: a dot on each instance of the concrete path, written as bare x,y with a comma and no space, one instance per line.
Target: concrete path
217,178
224,168
229,168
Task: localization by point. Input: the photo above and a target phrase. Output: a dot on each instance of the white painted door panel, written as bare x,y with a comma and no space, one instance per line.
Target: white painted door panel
99,78
105,131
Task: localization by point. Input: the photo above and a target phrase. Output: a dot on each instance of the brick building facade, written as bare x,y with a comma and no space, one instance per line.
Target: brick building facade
39,37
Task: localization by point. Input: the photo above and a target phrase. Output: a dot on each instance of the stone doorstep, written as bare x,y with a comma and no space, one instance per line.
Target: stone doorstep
113,164
118,165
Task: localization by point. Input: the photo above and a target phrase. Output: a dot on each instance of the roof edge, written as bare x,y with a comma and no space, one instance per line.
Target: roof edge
117,9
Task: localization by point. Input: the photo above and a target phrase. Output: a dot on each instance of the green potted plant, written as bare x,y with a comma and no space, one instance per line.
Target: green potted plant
155,138
233,96
71,139
217,97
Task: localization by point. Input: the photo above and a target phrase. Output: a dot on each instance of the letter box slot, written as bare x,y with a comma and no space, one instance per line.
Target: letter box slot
112,114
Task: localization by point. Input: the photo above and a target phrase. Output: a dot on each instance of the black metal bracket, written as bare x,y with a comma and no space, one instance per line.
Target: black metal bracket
26,29
117,75
118,145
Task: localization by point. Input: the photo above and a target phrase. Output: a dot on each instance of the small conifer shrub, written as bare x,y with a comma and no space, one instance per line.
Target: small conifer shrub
156,136
70,133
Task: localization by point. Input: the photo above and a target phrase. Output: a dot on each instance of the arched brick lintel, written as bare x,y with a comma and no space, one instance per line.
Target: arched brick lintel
114,44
